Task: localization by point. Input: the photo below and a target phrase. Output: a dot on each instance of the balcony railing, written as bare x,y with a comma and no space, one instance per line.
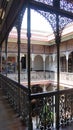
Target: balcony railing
66,79
17,96
46,109
44,106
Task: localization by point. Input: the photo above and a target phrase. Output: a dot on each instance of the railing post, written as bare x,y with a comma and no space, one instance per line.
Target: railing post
58,40
1,58
18,26
29,91
6,40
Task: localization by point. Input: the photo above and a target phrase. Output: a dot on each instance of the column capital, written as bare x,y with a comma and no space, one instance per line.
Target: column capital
32,56
44,57
67,55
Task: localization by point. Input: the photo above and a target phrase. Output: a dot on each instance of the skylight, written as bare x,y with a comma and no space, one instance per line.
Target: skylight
38,23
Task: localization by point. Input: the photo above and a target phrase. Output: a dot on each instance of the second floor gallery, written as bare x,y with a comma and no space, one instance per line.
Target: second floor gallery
43,52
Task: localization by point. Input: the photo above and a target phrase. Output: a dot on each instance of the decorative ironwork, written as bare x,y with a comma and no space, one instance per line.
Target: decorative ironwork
65,109
46,114
51,18
48,2
18,22
63,21
10,89
66,5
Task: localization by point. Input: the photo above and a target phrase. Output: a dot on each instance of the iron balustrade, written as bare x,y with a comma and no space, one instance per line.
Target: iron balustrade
43,105
18,100
44,109
35,75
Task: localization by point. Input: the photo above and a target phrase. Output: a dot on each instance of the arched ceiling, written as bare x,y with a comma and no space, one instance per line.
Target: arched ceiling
9,10
38,23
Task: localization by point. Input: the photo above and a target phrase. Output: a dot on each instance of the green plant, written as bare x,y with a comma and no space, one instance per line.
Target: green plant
46,116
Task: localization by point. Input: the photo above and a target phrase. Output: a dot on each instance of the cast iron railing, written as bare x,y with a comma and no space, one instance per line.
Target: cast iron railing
43,105
44,109
17,96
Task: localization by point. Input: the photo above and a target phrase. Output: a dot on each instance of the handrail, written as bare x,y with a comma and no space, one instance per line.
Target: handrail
39,102
51,93
17,96
14,82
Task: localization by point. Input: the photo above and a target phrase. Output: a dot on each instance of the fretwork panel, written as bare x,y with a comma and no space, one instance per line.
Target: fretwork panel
66,109
48,2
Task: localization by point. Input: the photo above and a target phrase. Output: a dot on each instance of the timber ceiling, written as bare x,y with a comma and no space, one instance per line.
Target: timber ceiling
9,10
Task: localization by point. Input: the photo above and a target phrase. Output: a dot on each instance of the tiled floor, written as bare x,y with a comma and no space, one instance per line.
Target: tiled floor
8,118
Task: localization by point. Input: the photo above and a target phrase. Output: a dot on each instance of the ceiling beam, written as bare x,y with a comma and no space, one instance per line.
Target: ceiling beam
10,17
15,6
48,8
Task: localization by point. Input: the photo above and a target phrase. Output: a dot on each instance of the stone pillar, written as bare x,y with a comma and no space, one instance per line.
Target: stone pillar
44,65
67,56
44,62
54,56
32,61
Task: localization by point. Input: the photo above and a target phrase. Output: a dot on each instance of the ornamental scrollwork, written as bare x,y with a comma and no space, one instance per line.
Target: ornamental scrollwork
66,5
48,2
51,18
63,21
65,109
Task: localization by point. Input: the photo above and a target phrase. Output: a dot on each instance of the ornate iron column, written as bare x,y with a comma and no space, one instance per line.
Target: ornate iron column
1,58
18,26
6,41
57,40
57,23
29,91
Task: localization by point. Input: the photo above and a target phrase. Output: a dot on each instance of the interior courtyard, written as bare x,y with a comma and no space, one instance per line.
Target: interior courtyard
36,64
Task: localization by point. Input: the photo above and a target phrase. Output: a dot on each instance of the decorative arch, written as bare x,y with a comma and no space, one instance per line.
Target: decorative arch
38,14
38,63
70,62
51,18
13,33
63,63
47,63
